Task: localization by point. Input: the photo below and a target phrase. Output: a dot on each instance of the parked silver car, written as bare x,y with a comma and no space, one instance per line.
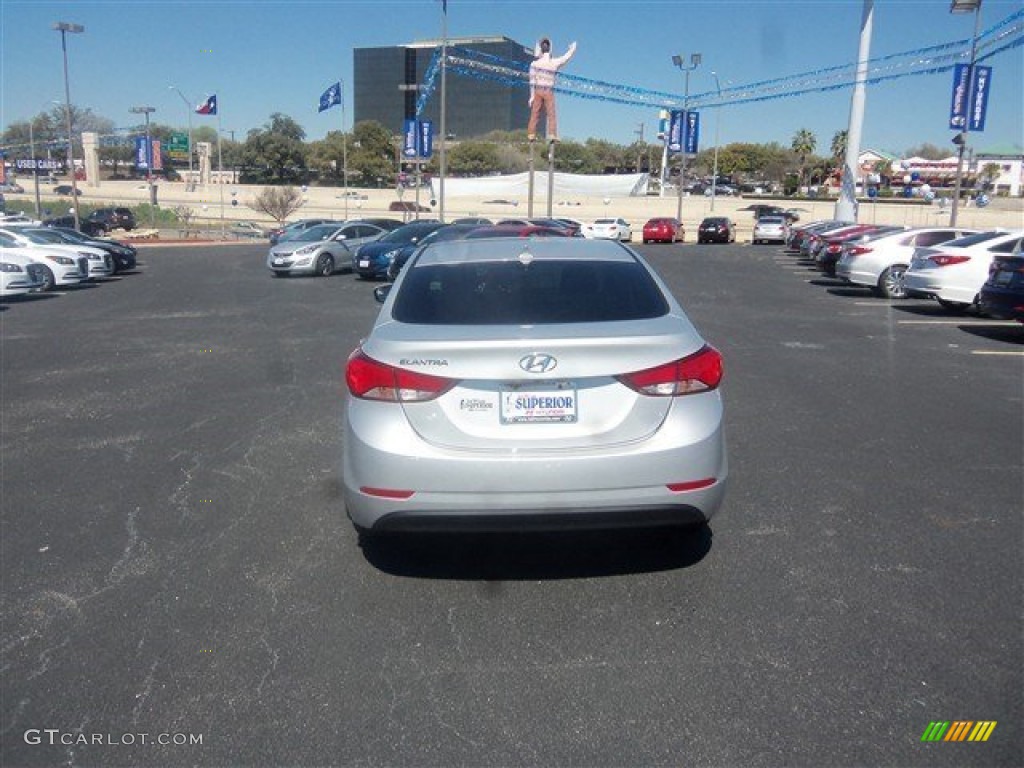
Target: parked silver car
322,250
771,229
879,263
513,383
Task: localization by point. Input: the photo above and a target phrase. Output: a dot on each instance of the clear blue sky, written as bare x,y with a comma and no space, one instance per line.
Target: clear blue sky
265,56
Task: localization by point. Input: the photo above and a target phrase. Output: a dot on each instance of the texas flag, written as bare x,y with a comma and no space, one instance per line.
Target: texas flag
208,107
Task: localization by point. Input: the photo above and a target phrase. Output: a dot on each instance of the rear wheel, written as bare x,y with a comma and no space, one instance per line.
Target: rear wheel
890,283
325,265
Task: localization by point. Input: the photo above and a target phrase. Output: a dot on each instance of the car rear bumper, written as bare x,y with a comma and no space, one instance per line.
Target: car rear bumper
570,488
922,284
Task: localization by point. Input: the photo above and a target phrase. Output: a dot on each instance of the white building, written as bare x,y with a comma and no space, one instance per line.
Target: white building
1010,159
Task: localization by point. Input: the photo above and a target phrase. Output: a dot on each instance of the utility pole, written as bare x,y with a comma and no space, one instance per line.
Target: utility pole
846,205
640,148
964,6
694,63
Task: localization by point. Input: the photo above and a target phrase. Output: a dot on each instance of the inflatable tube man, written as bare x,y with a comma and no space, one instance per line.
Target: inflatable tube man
542,82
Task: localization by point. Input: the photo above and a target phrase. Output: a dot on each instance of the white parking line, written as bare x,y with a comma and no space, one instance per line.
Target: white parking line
1002,353
996,323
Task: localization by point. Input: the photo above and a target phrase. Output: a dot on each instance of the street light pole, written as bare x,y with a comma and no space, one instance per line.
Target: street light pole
149,159
188,111
964,6
64,27
694,63
718,120
35,168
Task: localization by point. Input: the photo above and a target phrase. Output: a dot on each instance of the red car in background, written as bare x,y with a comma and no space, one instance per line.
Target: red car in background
664,229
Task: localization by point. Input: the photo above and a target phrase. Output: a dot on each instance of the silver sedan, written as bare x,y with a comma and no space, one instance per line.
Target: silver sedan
322,249
514,383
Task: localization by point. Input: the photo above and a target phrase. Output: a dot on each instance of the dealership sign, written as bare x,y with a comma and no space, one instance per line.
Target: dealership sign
969,100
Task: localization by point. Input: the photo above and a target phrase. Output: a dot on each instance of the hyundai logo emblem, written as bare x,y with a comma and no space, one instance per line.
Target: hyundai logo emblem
538,363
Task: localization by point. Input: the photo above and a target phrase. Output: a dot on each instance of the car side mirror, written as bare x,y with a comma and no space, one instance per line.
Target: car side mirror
380,293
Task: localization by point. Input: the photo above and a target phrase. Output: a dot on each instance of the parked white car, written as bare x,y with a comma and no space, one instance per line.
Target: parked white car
881,262
954,272
59,266
101,262
612,229
19,272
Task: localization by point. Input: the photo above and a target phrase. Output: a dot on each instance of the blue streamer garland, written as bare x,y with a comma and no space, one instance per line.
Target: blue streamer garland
934,59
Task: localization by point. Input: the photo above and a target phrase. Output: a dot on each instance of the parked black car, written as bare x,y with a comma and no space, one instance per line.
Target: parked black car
717,229
90,228
66,189
1002,295
124,256
108,219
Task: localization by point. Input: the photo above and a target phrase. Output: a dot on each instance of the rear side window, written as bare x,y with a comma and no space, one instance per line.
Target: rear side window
974,239
544,292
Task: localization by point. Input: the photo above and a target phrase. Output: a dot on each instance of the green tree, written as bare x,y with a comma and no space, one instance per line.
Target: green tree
274,154
473,158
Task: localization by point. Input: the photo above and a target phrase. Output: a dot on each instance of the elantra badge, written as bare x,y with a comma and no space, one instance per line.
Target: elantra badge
538,363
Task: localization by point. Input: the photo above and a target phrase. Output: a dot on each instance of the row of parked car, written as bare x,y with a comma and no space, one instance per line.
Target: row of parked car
35,258
958,267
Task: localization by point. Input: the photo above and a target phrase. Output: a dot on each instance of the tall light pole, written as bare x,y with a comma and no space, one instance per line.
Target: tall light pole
964,6
64,27
718,120
694,63
149,158
188,111
35,168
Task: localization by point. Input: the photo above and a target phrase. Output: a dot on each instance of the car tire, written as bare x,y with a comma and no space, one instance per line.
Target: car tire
890,282
646,241
325,265
275,273
49,282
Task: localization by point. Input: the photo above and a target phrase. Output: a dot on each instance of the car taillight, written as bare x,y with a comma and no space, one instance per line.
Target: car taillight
945,260
700,372
370,379
833,248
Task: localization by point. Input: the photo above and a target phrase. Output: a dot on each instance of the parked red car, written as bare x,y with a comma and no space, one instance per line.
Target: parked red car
664,230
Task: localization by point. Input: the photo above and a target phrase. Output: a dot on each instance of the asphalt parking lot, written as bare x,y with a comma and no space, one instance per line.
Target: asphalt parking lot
181,585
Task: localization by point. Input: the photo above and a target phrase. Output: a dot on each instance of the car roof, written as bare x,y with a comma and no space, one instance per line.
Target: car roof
517,248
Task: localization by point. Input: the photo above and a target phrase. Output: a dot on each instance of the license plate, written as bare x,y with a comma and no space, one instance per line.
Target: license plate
1003,278
364,263
548,406
278,260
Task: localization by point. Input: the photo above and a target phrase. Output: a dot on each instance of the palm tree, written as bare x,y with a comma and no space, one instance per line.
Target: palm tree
839,148
803,145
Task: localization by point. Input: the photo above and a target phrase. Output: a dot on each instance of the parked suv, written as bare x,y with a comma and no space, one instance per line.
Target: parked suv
107,219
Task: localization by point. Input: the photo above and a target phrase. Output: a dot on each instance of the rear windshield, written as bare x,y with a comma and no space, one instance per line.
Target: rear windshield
969,240
507,292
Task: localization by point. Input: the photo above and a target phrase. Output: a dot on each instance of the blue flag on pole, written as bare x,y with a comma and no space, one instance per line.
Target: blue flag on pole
331,97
